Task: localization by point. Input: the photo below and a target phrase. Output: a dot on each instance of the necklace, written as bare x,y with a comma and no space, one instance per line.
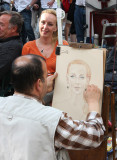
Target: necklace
42,50
46,50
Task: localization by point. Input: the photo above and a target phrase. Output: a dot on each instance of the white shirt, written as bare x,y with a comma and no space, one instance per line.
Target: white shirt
21,4
44,4
80,2
8,1
27,129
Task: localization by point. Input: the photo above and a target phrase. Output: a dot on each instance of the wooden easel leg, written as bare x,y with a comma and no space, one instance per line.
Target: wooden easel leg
113,123
105,115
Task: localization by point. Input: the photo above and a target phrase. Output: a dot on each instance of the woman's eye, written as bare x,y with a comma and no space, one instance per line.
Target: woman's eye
72,76
81,77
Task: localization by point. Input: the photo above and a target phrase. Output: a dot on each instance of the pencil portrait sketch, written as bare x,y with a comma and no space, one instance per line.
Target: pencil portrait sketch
76,70
78,78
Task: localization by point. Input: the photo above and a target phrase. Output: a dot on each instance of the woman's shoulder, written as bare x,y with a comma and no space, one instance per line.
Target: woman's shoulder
30,43
28,47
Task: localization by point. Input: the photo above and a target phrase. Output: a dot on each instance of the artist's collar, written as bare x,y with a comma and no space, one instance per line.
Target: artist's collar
26,96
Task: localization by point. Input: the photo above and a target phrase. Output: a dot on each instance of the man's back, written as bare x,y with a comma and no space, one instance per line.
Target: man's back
27,129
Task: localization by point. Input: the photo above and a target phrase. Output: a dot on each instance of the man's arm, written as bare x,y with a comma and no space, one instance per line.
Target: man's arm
74,134
50,3
36,6
31,4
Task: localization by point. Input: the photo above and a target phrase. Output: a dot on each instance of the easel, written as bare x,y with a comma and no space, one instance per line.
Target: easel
100,153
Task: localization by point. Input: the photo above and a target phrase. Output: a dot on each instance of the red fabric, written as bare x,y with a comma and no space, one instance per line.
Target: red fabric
66,5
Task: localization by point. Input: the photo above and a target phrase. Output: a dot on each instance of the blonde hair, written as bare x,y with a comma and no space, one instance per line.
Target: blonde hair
53,12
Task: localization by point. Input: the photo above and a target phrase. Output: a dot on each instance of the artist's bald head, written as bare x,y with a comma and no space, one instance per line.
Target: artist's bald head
26,70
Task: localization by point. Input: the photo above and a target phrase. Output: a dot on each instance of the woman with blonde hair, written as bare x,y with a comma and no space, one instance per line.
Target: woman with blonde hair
46,45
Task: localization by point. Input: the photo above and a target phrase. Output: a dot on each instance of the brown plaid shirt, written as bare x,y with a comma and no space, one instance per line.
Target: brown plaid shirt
74,134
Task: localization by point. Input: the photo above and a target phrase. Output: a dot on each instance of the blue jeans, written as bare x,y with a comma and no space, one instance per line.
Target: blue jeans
6,6
27,30
79,22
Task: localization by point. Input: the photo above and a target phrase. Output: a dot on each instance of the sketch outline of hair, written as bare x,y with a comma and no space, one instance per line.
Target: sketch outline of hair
80,62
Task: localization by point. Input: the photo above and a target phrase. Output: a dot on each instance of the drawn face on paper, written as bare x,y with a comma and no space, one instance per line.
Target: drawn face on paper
77,78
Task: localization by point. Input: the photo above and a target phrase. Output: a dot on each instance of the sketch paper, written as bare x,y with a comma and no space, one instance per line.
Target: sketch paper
76,69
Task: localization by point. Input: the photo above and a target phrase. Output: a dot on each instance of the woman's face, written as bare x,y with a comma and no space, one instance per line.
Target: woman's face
77,78
47,25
